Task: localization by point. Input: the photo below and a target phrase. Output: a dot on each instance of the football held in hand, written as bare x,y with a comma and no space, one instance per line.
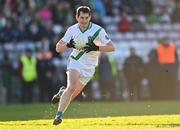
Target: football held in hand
80,41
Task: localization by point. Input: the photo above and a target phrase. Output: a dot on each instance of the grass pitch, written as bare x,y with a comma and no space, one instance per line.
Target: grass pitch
94,116
107,123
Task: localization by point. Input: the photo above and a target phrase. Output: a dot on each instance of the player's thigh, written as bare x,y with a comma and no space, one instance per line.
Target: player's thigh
79,88
72,78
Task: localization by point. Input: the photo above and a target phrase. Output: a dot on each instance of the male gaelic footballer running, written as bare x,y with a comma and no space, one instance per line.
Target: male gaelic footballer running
81,63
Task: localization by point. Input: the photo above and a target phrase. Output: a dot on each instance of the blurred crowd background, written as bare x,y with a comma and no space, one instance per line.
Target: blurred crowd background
140,69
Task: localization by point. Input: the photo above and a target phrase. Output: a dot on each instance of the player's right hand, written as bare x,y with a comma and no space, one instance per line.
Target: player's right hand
71,44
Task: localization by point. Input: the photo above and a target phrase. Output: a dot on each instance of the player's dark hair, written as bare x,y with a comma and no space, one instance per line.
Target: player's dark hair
84,9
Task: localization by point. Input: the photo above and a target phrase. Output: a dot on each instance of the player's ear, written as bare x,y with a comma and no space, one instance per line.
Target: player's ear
76,17
89,17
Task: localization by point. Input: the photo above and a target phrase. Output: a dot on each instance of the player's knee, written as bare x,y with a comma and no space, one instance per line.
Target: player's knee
71,89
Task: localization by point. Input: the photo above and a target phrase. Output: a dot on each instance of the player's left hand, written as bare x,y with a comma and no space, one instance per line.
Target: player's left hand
91,46
71,44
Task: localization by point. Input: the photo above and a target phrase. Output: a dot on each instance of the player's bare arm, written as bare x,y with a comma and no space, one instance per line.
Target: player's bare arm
61,46
107,48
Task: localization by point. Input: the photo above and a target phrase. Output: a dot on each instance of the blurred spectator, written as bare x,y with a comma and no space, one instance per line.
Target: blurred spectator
53,48
133,6
61,12
39,3
9,7
133,72
7,33
7,72
137,25
97,19
45,14
124,25
2,20
107,77
152,72
45,70
44,44
148,7
35,32
152,19
176,15
28,75
114,69
99,7
47,31
21,32
109,7
168,60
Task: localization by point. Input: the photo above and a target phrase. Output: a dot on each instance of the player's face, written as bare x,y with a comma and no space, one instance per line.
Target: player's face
83,19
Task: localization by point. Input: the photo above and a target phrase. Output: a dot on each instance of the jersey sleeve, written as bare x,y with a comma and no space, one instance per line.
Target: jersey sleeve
67,36
103,37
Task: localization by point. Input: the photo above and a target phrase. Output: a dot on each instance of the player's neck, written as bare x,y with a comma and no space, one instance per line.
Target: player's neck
84,28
